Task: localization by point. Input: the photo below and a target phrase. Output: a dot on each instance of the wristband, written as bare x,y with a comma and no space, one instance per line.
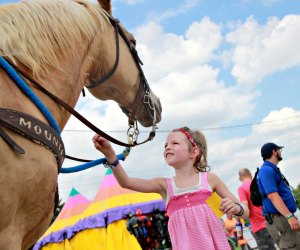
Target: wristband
111,165
241,212
289,216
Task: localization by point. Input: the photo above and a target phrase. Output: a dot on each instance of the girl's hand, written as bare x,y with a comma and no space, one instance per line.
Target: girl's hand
102,145
229,207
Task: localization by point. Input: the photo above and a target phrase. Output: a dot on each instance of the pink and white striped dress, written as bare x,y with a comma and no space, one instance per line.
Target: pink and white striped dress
192,224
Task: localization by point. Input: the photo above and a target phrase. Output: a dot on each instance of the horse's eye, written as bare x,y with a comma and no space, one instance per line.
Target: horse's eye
133,42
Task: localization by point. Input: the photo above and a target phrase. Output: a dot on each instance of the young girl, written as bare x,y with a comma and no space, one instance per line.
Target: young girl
192,223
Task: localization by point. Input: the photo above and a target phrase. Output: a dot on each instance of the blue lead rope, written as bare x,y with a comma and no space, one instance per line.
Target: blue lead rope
47,114
90,164
31,95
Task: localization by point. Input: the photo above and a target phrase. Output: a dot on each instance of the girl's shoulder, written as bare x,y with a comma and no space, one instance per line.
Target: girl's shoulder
213,180
163,184
212,176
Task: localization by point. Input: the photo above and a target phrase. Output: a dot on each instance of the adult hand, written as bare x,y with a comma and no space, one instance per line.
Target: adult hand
294,223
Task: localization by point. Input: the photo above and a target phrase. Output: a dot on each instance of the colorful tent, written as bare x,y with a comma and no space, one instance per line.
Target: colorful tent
102,224
70,214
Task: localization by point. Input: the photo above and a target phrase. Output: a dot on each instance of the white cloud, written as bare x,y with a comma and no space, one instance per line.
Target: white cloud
183,8
204,101
167,52
261,50
228,156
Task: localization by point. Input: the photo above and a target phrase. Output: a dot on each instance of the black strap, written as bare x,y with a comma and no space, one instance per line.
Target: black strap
76,159
79,116
112,71
11,142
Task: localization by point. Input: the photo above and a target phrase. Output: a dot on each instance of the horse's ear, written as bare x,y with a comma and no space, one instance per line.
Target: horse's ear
106,4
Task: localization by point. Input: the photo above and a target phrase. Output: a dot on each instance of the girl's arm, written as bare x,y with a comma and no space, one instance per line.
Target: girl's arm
230,204
155,185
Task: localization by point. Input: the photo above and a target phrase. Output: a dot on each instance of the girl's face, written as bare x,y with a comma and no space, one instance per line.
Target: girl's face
177,150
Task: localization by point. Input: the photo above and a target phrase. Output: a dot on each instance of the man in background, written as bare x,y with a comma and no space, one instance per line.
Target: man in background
279,204
257,221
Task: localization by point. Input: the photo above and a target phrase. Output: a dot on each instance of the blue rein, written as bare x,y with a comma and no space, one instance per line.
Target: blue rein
31,95
90,164
47,114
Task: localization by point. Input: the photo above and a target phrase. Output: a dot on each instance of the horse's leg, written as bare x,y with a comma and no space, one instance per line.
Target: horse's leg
27,184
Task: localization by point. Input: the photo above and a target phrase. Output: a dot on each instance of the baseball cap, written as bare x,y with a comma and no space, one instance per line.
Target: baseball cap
266,149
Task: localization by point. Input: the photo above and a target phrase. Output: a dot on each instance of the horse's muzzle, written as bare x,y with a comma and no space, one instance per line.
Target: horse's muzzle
147,111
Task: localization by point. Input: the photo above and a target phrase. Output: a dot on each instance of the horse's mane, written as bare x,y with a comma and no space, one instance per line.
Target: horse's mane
36,33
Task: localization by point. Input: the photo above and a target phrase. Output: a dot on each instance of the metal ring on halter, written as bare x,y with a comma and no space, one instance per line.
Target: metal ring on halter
132,133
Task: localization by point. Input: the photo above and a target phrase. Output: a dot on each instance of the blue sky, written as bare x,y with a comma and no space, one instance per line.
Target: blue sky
230,68
185,12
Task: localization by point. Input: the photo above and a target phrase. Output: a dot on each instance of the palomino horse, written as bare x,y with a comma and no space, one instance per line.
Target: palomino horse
63,45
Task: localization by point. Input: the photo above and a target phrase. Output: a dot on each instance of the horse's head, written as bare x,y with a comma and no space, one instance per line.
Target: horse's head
115,73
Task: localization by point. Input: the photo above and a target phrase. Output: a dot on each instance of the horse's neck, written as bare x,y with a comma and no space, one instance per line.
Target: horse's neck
11,96
66,84
124,78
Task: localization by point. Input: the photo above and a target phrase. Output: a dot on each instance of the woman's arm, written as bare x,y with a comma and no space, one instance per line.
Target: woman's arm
230,204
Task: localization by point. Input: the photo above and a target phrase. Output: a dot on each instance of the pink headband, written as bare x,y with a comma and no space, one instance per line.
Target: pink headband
190,138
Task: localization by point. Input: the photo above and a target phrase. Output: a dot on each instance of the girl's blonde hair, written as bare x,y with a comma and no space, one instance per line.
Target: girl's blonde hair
198,138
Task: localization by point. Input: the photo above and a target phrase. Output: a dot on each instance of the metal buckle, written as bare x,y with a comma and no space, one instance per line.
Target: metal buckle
132,133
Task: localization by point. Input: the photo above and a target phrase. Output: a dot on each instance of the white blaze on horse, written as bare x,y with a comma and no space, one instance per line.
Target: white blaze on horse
63,45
